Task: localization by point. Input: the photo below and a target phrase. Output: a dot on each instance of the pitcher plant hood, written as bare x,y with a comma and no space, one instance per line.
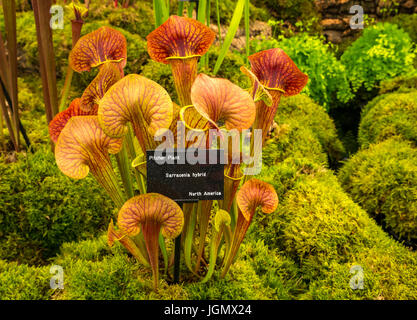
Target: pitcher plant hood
95,48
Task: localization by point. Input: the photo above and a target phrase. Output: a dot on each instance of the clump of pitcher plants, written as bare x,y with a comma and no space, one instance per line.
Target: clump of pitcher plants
126,115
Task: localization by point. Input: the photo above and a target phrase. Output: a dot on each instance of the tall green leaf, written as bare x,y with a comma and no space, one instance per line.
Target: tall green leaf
190,9
218,21
231,32
161,12
180,8
202,5
247,31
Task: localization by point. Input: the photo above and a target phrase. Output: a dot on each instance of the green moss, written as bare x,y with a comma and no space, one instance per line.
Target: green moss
388,274
383,180
41,208
405,83
304,131
277,271
389,115
241,282
325,233
137,19
313,116
293,140
161,74
316,225
22,282
94,271
102,280
284,175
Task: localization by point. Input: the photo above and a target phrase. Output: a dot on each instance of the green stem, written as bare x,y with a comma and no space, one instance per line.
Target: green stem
204,216
233,213
124,169
188,243
180,8
131,246
103,172
132,154
247,29
151,231
140,243
190,9
214,249
239,233
218,21
66,89
164,252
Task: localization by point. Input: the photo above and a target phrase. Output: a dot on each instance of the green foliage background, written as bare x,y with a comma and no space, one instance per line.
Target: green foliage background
382,52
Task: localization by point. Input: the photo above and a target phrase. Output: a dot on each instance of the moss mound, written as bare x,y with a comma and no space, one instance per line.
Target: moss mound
40,208
389,115
22,282
405,83
304,250
315,220
304,130
388,274
383,180
310,114
325,233
94,271
293,140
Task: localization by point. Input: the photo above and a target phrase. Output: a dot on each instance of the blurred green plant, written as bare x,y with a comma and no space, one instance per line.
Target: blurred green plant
382,52
289,10
407,22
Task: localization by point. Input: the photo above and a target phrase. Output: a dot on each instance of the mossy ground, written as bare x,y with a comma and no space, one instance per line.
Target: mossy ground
323,227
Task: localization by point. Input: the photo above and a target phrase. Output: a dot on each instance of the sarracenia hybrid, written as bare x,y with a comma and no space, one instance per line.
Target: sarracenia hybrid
127,115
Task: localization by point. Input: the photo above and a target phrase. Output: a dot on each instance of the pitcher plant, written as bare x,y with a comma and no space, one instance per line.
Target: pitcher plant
126,115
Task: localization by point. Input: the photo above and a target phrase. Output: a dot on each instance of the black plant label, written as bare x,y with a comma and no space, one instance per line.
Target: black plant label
186,175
